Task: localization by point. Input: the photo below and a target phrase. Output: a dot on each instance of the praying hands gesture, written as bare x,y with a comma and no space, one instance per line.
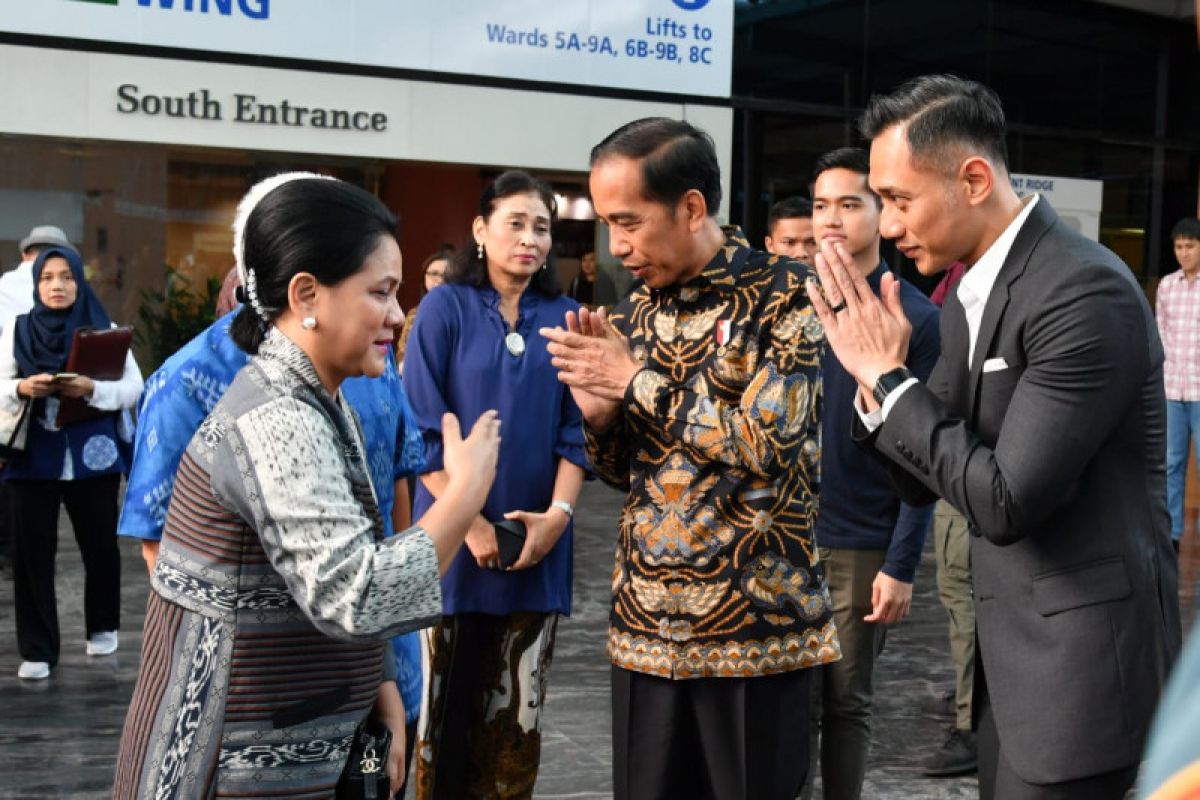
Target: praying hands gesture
869,336
595,361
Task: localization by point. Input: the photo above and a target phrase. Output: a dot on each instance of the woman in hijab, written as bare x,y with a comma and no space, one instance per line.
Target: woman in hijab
79,465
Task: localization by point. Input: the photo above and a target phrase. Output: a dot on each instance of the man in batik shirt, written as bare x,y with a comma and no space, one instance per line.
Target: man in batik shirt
701,398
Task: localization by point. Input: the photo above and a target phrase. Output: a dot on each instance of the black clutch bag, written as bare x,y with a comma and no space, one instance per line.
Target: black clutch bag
510,539
365,775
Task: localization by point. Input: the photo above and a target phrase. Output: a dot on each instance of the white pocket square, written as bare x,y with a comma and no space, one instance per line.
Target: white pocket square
994,365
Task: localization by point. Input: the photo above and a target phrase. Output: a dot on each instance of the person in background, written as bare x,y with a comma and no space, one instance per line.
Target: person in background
475,346
433,275
274,588
79,465
958,753
591,287
227,296
701,400
16,297
790,230
868,539
16,285
1178,314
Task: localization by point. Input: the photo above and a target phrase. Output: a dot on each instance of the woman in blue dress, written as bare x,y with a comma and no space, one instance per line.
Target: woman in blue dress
475,346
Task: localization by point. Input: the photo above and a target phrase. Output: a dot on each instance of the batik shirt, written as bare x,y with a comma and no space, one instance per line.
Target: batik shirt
718,444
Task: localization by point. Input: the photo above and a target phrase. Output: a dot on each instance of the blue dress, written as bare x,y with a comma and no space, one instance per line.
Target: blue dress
457,361
182,392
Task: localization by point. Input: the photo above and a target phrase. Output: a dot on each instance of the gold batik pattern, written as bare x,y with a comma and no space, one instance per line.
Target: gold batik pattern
718,445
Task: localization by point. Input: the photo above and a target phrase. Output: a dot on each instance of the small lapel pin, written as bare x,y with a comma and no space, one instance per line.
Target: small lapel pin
723,332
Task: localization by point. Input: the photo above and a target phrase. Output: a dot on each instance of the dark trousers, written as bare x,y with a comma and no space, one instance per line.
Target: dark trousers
5,524
844,690
720,738
998,781
92,507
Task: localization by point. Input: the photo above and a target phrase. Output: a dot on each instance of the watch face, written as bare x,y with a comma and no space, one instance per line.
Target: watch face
888,382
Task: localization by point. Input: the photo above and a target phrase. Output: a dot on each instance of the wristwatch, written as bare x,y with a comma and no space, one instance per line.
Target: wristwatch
889,381
564,506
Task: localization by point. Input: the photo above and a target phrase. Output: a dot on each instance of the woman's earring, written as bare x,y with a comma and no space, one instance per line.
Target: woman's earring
479,250
545,265
308,323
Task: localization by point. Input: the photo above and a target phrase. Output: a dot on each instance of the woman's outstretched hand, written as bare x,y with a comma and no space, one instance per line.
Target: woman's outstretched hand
471,462
462,484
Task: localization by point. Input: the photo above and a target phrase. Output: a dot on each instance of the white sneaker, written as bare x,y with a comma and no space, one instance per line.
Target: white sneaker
34,670
102,644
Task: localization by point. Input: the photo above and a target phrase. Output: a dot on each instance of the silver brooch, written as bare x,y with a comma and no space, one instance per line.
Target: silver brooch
515,343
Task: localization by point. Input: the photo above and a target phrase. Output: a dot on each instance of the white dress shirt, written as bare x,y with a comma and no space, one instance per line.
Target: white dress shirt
973,291
16,293
977,282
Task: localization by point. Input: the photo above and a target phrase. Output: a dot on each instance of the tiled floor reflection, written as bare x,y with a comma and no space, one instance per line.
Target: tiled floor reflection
59,738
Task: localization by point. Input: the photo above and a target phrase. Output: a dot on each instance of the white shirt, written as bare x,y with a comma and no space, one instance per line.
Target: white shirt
977,282
16,293
973,291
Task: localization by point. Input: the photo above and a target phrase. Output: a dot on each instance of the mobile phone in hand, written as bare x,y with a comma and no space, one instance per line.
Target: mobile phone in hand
63,377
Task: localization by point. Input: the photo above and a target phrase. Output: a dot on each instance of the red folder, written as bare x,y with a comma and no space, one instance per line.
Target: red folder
101,356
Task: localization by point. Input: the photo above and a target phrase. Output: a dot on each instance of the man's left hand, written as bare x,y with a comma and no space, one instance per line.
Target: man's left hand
890,600
868,336
597,359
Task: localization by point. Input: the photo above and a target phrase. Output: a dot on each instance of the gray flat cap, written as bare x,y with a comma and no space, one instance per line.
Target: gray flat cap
47,235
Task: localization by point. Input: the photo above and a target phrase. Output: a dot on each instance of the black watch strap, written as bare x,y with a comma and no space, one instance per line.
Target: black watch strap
889,381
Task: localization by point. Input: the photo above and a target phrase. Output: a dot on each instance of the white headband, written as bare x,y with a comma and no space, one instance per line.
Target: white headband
247,204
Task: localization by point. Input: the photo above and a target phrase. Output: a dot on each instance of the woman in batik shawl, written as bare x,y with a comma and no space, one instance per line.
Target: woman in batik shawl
274,591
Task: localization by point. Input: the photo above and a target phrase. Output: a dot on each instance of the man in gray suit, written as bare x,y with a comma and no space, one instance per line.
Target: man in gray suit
1042,422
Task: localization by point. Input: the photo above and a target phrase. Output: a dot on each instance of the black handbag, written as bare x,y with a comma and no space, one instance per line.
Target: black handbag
365,775
510,540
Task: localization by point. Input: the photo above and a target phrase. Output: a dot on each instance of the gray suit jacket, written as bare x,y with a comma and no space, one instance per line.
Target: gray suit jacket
1058,463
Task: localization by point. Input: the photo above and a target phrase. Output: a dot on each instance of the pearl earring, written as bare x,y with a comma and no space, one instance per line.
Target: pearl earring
308,323
479,250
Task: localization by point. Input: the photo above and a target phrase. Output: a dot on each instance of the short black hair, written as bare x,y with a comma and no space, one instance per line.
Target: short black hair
795,207
326,228
470,268
940,112
853,159
676,157
1186,228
